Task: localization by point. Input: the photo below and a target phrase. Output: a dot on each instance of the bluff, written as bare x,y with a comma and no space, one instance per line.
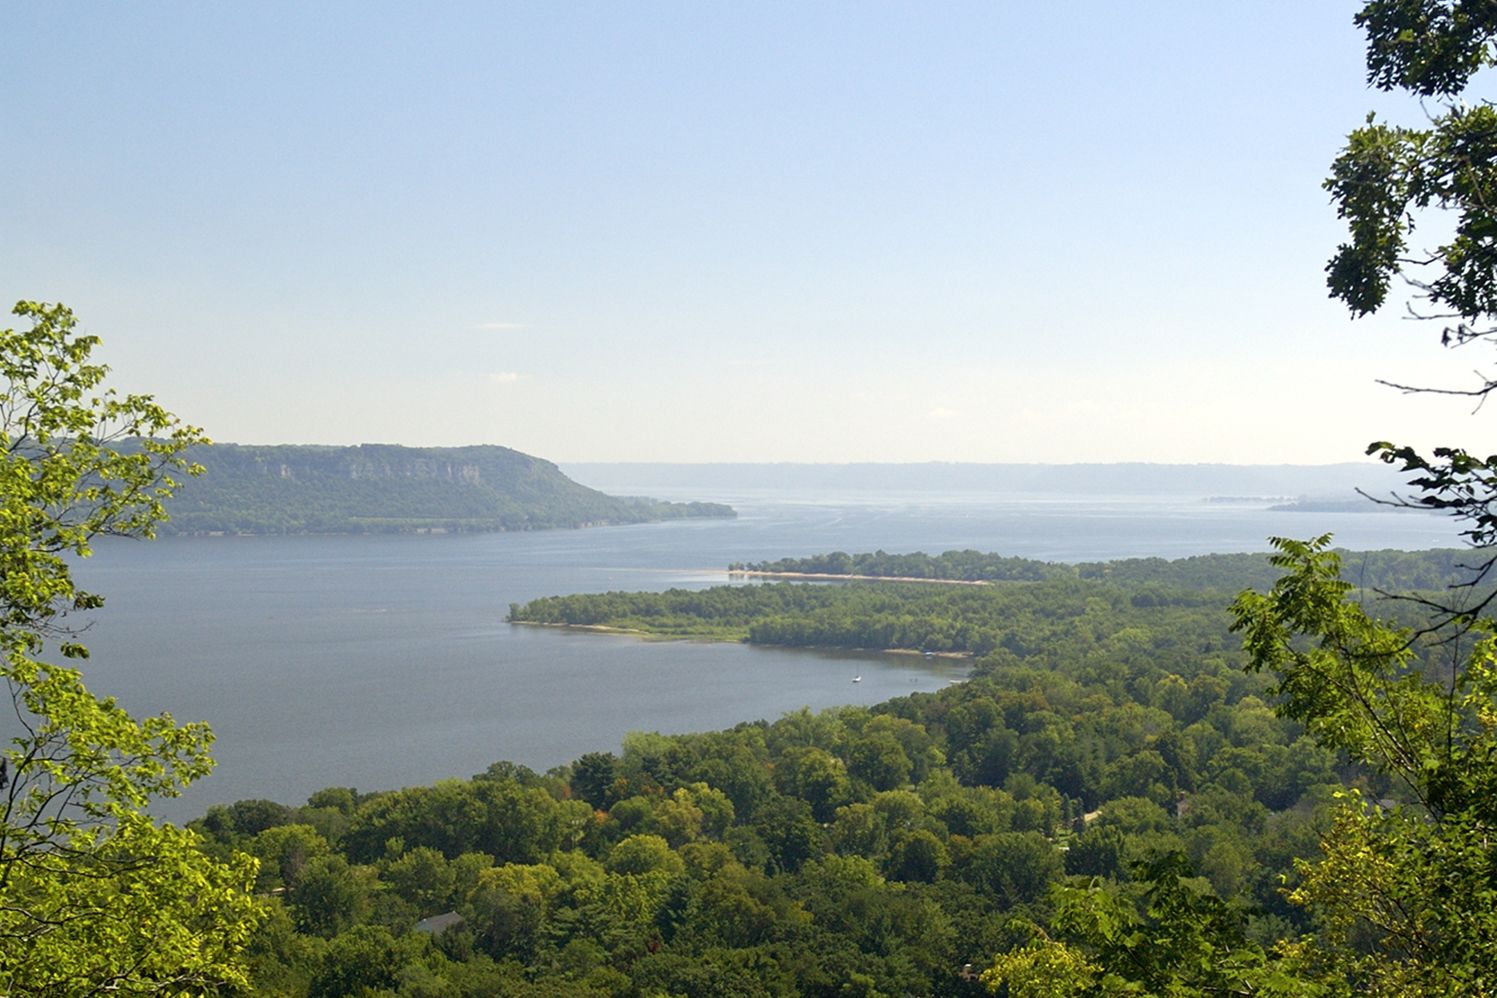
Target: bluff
284,489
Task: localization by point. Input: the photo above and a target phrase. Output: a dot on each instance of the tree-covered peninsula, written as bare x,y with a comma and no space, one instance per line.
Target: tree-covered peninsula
377,488
1023,606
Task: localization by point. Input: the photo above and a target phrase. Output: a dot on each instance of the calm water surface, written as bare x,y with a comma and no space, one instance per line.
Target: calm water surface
380,662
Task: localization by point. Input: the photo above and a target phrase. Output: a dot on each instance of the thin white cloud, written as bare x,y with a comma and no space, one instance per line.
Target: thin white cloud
942,413
499,327
503,377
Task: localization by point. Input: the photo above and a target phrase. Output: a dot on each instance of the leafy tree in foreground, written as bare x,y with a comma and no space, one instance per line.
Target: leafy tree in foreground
1417,879
94,896
1404,890
1387,183
1175,939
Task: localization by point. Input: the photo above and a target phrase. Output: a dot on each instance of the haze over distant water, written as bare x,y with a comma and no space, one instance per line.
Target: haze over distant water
383,661
1135,478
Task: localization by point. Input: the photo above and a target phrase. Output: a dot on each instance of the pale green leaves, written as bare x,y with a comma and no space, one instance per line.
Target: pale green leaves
94,896
76,460
1416,879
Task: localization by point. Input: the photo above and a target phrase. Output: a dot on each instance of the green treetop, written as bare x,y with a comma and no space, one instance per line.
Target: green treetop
94,896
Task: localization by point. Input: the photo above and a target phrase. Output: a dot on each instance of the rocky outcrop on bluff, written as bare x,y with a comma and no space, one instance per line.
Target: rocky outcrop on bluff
384,487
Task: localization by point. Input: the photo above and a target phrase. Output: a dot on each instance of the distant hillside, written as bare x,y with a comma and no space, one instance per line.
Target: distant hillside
1249,482
285,489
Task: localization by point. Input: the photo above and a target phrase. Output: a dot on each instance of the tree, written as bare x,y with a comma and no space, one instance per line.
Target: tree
1172,939
1417,877
1387,183
592,778
94,896
1404,890
1389,180
1413,877
1017,867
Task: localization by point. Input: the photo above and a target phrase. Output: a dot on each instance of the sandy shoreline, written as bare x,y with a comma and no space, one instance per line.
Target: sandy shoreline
707,639
633,632
604,628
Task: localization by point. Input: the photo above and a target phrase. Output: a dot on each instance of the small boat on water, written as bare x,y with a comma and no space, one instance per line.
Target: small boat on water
857,679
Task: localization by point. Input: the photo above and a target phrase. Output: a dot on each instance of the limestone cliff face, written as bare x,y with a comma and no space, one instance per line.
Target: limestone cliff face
377,462
383,487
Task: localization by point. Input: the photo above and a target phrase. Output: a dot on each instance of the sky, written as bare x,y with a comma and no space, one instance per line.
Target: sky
827,231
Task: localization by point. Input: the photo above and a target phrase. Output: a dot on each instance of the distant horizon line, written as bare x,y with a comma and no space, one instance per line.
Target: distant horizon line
1364,462
977,464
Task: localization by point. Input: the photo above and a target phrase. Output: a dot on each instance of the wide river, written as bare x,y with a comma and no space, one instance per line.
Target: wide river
385,661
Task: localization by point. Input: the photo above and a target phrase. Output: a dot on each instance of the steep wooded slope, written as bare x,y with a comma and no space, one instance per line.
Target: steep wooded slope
381,487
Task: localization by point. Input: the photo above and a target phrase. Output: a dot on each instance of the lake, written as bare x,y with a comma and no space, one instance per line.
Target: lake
384,661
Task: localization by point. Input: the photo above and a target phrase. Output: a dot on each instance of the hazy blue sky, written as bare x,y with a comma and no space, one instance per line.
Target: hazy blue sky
710,231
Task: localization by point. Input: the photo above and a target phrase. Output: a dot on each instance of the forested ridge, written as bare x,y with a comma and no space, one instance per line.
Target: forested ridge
1114,752
371,488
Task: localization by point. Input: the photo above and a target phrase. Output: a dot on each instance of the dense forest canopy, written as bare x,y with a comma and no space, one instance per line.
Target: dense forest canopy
1109,754
884,849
